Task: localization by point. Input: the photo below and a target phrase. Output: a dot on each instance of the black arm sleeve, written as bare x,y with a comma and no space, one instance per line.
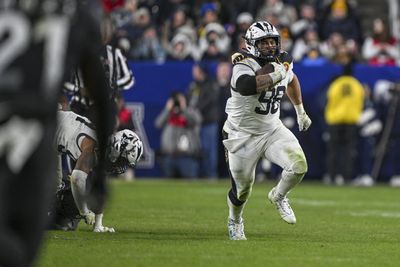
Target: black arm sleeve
96,84
246,85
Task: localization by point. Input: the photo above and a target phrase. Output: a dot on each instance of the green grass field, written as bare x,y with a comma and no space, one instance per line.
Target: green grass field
182,223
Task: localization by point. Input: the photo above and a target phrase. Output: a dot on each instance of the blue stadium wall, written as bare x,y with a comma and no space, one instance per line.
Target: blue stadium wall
154,83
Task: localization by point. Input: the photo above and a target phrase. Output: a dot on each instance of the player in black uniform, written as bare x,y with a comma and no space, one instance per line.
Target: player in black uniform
40,41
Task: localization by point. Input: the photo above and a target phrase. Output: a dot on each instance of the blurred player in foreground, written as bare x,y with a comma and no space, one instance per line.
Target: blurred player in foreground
76,137
40,42
253,129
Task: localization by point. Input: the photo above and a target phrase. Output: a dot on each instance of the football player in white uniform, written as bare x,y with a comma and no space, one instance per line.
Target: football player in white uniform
75,136
253,130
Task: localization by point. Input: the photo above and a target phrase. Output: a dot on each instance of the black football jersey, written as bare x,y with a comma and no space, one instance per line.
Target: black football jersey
41,41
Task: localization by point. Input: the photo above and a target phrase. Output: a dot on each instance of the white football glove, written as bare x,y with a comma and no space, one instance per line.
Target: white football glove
279,72
89,218
303,120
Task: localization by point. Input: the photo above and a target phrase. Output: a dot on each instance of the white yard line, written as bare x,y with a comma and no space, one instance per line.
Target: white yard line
318,203
376,213
369,204
324,203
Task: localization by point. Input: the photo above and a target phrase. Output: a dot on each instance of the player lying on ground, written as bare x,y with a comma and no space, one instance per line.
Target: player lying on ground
76,138
253,130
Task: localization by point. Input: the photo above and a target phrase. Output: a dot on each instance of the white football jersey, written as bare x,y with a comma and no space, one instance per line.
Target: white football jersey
259,113
71,130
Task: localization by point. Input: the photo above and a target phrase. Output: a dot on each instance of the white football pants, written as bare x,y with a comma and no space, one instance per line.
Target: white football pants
280,147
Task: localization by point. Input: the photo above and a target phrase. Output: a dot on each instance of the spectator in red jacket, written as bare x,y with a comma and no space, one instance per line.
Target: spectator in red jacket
110,5
381,48
124,115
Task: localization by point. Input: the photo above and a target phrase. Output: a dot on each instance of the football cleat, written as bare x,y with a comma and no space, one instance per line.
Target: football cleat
103,229
89,218
236,230
281,203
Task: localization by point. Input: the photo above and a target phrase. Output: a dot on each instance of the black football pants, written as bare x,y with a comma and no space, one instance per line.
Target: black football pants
342,151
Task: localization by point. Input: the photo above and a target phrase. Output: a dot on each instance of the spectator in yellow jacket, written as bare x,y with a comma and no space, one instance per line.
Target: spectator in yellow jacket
345,100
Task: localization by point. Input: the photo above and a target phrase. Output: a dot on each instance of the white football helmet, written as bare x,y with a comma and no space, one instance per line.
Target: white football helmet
125,151
258,31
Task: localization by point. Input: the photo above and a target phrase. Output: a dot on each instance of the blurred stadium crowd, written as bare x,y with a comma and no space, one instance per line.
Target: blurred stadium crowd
313,31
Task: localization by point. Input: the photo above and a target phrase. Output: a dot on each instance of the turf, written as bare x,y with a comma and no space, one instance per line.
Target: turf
182,223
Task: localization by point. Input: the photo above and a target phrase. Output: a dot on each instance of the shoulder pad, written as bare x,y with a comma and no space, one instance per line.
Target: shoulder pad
284,57
237,57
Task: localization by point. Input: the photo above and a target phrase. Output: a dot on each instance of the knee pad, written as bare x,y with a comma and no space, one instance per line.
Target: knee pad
300,166
296,173
299,162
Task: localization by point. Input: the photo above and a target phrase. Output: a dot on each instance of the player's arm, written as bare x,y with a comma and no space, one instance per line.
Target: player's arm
83,166
96,84
250,85
97,88
294,93
265,81
246,81
86,160
94,78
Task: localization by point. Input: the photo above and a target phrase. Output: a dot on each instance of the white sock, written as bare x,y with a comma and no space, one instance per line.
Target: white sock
235,212
78,187
98,220
288,181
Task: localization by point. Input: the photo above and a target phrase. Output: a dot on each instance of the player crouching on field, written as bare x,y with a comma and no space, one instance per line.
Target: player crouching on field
253,130
76,138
